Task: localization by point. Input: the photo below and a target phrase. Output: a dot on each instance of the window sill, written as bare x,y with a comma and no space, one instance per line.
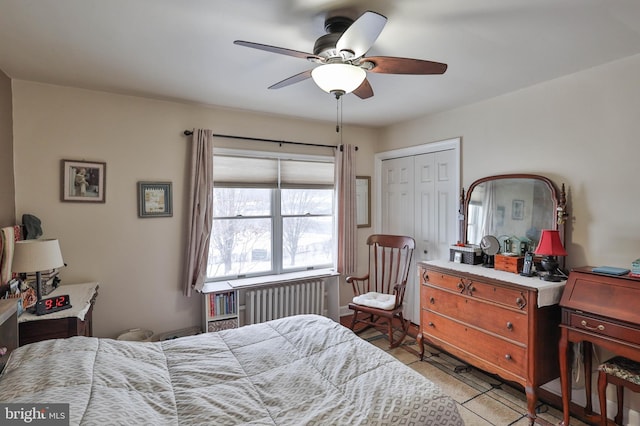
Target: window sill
292,276
211,287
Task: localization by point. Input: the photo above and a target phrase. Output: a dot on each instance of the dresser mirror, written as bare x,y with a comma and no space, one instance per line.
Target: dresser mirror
514,208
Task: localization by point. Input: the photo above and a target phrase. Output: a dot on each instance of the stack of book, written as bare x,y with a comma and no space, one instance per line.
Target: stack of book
635,268
49,281
222,303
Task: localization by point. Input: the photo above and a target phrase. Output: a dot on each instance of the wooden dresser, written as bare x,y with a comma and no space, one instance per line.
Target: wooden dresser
600,310
497,321
8,329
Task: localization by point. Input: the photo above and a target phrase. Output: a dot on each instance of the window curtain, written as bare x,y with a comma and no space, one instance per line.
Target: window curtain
489,206
201,210
345,178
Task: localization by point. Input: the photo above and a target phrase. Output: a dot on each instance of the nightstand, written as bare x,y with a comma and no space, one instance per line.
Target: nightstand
8,329
76,321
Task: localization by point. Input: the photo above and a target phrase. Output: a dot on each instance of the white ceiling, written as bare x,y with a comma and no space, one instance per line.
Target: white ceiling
183,49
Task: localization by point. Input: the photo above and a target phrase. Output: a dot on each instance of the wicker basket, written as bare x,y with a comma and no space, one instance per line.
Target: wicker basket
471,255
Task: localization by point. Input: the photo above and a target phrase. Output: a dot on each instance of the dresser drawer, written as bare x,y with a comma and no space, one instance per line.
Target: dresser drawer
8,329
511,324
493,350
504,295
507,296
450,282
604,327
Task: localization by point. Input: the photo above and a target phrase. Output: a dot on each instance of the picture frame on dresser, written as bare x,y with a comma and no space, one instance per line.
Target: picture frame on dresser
83,181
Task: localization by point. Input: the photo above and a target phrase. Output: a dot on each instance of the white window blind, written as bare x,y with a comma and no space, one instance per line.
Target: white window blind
245,171
263,172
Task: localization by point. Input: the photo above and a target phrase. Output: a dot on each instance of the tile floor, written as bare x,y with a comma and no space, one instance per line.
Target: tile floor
482,400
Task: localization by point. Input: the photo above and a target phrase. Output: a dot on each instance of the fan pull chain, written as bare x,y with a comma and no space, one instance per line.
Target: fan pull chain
338,115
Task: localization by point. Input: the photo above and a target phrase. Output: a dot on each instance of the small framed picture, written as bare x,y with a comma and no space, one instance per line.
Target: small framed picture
155,199
83,181
457,257
517,210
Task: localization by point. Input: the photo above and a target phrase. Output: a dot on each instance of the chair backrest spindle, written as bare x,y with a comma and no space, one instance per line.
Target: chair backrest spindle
389,261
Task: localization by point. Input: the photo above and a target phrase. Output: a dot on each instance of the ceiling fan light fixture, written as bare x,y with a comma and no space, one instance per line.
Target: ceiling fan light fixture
338,78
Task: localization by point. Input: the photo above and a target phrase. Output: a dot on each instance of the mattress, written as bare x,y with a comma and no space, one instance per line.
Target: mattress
304,369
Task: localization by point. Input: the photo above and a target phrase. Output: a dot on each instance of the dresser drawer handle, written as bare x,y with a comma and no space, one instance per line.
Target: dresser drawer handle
588,327
431,324
507,357
3,350
460,286
509,325
432,300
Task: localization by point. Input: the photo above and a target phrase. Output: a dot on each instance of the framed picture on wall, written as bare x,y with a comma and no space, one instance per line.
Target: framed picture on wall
155,199
83,181
517,210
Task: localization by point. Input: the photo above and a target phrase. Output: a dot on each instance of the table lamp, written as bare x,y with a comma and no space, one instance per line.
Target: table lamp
36,256
550,246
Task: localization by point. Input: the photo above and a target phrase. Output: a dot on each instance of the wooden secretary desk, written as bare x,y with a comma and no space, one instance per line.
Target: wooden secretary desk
602,310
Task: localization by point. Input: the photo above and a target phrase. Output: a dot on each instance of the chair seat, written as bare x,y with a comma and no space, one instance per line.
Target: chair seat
376,300
622,368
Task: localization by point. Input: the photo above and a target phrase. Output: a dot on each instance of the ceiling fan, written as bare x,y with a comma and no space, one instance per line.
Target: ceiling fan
340,54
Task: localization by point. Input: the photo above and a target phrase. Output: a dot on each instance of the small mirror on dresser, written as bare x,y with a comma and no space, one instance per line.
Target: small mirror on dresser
514,208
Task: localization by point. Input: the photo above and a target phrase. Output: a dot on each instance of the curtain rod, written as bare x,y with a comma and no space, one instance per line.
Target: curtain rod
189,133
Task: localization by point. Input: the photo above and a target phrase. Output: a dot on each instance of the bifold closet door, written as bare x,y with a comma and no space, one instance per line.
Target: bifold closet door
419,199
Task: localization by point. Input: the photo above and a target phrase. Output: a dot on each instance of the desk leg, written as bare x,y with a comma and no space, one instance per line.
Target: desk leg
587,350
565,372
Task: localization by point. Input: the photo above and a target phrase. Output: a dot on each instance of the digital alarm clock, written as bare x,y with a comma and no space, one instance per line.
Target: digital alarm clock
53,304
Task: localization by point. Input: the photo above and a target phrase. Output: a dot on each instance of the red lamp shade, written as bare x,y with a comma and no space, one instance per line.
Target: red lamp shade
550,244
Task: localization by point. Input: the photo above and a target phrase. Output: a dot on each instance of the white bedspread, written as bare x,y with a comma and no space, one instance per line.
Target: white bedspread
301,370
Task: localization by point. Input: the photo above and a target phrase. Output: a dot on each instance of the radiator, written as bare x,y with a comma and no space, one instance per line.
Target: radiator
285,299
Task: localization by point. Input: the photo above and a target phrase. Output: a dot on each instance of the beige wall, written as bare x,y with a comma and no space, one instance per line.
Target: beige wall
7,194
581,130
138,262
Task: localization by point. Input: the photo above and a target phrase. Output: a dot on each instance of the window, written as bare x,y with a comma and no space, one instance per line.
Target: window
271,215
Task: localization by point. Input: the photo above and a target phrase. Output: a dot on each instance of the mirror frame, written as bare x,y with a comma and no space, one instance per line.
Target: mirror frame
559,200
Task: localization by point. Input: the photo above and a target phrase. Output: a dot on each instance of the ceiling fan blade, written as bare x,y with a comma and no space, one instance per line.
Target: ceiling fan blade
361,35
292,80
393,65
364,91
280,50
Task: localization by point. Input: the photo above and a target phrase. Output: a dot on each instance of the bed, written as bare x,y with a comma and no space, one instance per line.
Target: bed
298,370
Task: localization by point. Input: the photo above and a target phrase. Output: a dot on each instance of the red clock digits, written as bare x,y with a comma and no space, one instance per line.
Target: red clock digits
48,304
60,301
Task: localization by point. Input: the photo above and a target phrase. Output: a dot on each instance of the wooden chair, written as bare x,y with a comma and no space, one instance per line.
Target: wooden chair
622,372
380,293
